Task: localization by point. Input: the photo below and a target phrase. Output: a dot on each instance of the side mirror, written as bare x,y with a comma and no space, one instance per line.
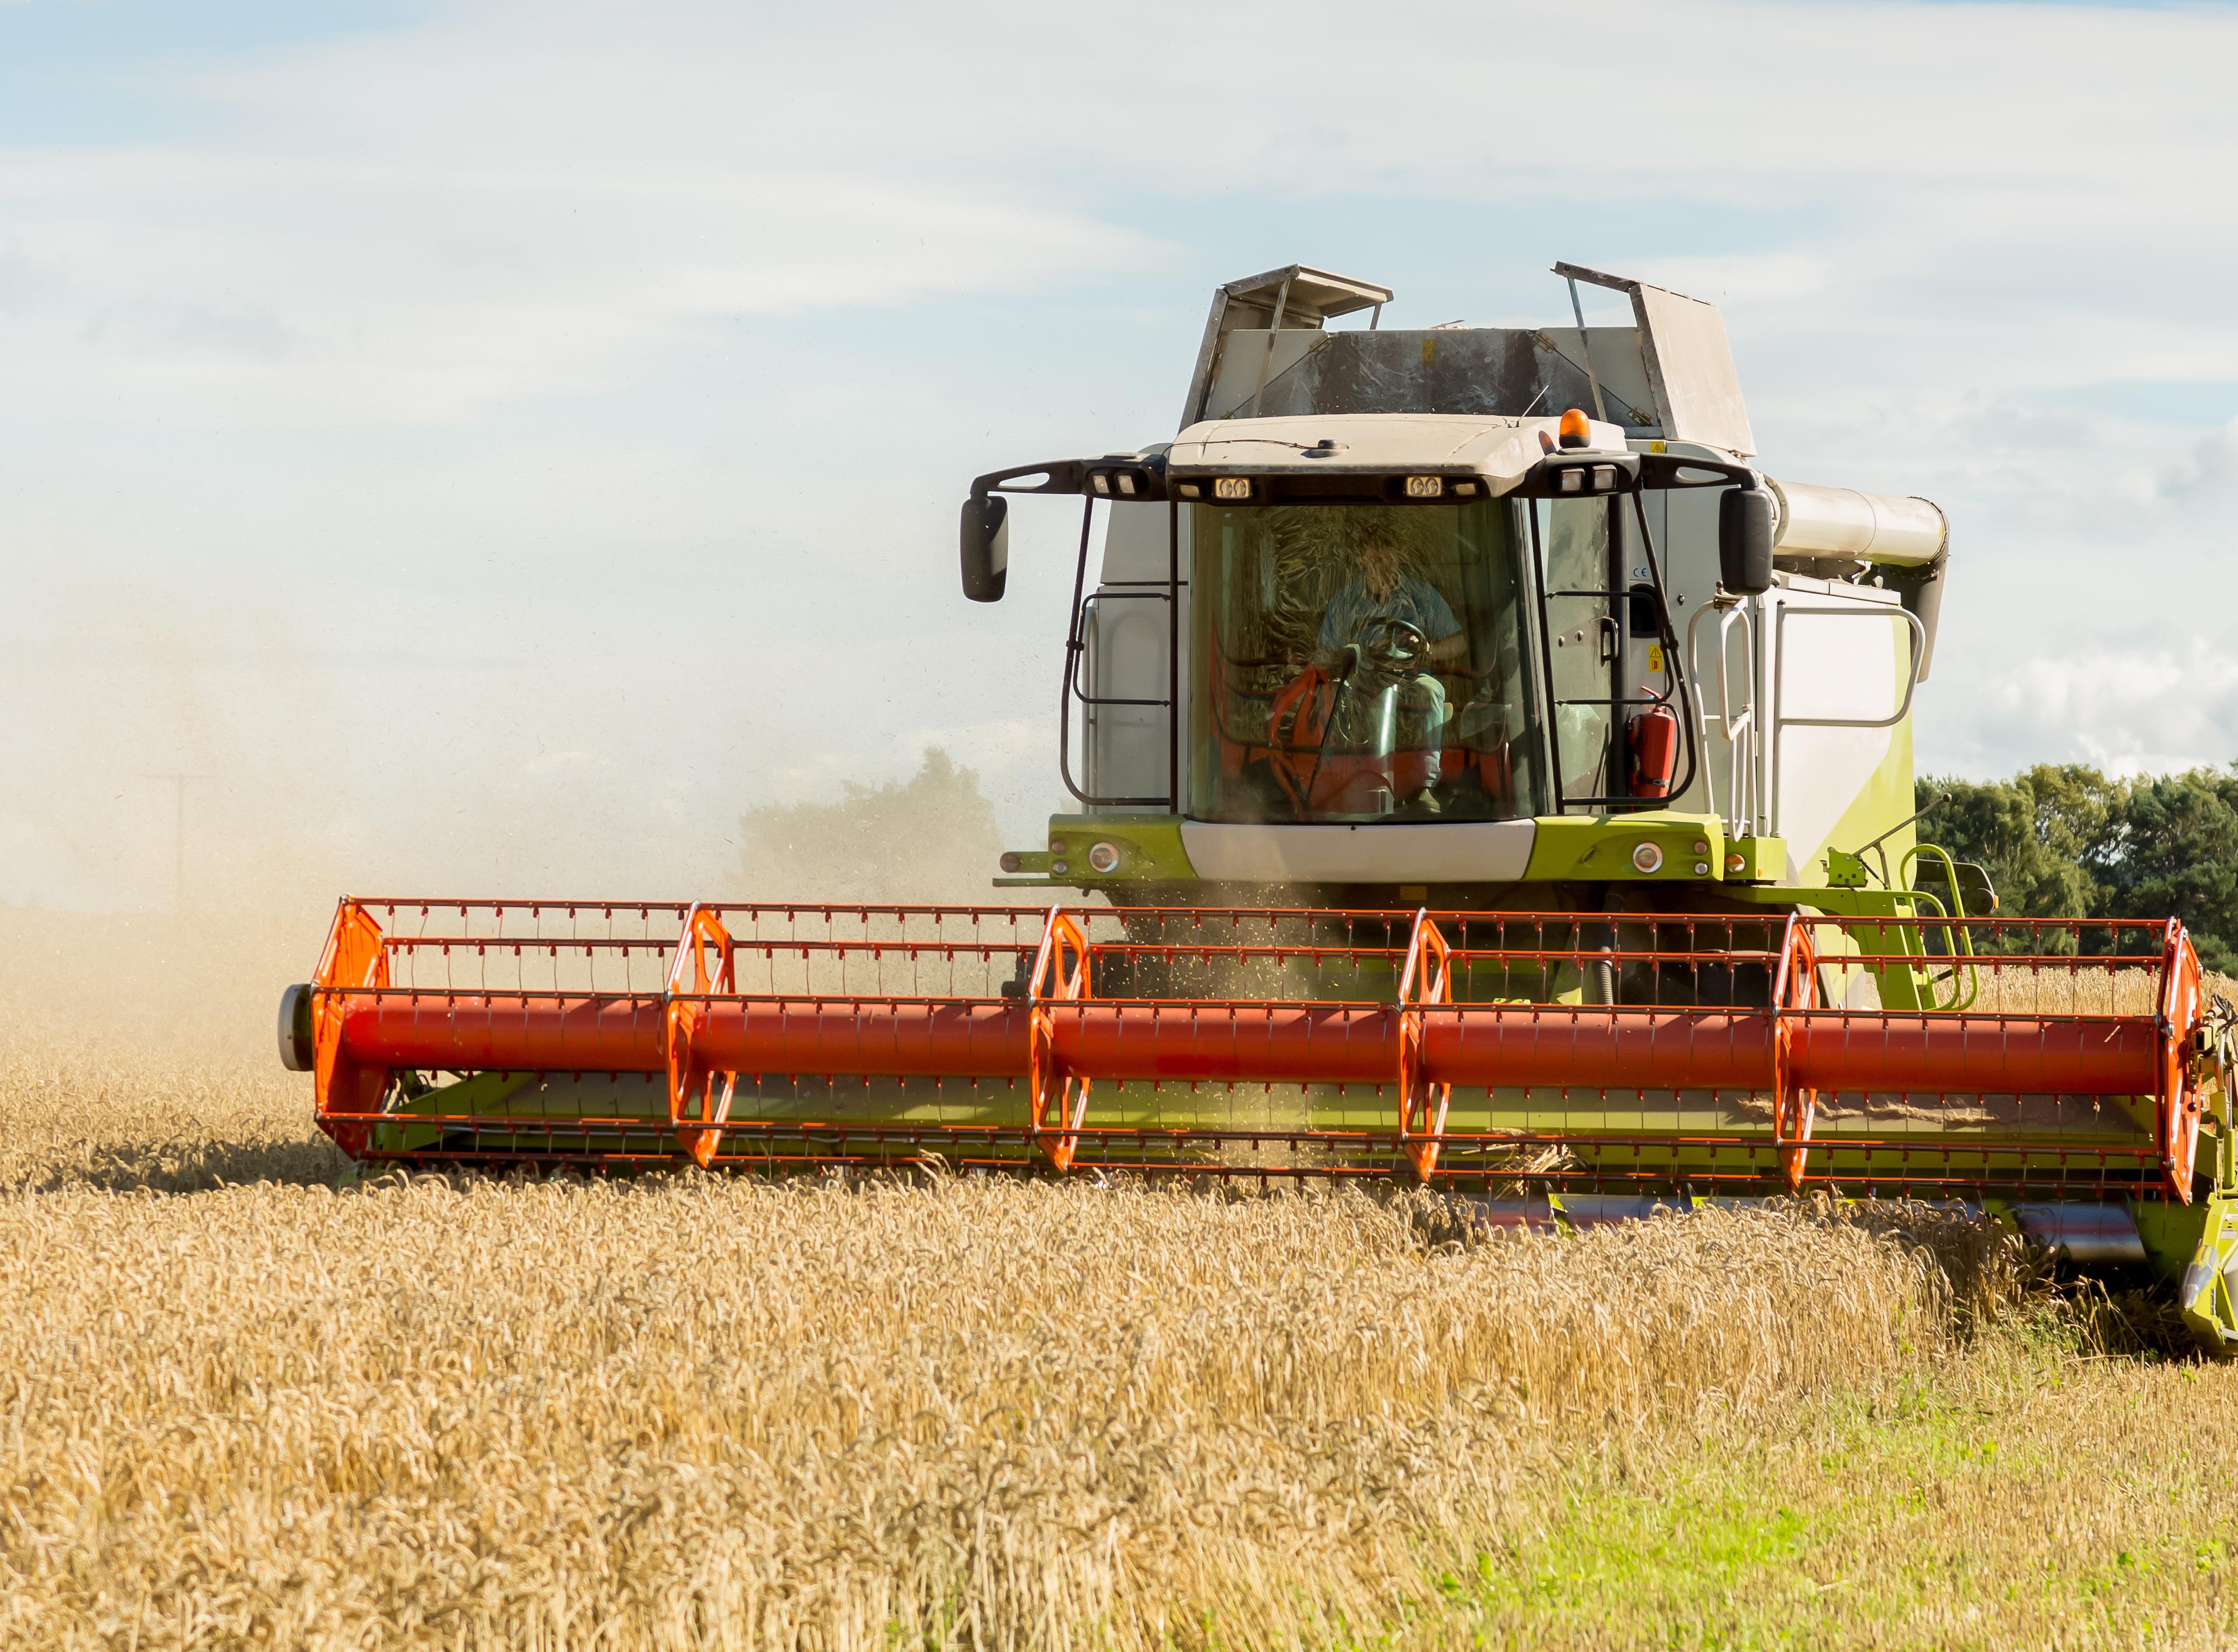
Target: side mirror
986,544
1747,518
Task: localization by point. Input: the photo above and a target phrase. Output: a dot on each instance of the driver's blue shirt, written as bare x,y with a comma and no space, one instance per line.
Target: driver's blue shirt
1415,600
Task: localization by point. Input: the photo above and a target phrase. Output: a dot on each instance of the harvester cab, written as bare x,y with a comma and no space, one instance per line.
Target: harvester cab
1487,774
1396,619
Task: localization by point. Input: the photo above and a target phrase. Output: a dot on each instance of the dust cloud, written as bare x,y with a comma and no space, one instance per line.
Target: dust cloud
930,838
202,978
192,774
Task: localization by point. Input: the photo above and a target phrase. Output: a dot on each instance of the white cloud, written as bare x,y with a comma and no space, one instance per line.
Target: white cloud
2130,708
2205,475
507,202
298,291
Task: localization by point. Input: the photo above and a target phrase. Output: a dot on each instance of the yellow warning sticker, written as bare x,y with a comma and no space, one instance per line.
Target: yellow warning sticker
1655,656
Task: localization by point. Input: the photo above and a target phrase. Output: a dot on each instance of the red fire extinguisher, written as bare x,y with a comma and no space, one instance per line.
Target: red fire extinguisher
1653,737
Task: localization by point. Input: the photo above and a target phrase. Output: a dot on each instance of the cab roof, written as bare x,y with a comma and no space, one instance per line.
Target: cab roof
1502,451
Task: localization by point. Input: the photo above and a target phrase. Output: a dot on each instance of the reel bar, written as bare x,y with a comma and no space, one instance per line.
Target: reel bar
2146,934
1095,999
1275,951
1480,1047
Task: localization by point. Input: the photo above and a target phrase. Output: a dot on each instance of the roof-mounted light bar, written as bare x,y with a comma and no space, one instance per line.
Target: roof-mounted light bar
1332,487
1562,475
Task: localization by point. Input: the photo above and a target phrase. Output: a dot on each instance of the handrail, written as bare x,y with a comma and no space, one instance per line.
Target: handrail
1956,935
1739,727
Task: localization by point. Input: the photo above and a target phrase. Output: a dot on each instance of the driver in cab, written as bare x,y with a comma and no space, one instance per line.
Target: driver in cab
1381,592
1385,631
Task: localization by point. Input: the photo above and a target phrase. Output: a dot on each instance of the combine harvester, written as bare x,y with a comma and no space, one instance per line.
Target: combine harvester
1507,798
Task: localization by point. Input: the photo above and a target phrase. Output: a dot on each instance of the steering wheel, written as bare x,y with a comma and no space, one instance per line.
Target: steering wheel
1390,645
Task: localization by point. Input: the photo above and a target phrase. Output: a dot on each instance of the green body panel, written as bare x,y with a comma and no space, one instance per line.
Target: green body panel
1564,849
2207,1289
1149,852
1755,859
2195,1247
2173,1233
1600,848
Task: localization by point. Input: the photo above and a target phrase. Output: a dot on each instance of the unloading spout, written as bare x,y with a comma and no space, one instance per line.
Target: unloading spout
1866,527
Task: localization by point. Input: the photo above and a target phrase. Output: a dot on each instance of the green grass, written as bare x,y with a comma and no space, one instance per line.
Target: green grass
2000,1501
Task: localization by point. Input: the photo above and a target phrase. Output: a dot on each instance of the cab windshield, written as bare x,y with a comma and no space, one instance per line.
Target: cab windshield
1362,662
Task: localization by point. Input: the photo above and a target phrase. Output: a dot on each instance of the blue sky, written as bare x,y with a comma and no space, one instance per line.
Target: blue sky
497,442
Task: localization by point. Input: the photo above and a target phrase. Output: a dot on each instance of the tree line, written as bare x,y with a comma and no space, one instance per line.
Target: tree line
2062,841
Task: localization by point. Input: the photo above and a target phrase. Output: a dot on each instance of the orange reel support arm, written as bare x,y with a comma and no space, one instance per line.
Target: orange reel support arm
2182,1008
1795,1105
348,1090
1426,977
696,1109
1059,1089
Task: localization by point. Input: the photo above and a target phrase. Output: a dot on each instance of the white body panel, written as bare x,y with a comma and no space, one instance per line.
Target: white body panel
1690,367
1502,451
1851,663
1472,852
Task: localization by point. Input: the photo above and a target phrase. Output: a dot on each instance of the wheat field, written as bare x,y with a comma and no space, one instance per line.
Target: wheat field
242,1406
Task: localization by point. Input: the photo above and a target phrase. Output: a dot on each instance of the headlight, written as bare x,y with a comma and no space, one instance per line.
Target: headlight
1648,857
1571,482
1231,487
1425,486
1103,857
